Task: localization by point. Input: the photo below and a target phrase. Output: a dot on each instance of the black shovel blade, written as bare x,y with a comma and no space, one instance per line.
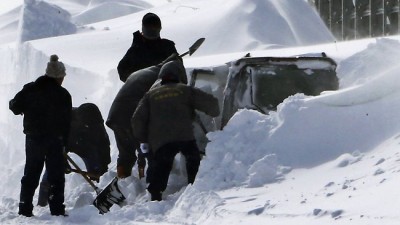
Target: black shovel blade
109,196
196,45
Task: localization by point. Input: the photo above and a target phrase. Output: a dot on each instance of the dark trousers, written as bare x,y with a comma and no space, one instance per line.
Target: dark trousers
163,161
127,146
40,151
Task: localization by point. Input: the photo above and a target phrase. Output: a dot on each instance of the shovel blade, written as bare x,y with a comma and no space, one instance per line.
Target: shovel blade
196,45
109,196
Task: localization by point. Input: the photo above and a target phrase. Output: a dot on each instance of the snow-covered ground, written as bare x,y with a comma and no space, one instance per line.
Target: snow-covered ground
330,159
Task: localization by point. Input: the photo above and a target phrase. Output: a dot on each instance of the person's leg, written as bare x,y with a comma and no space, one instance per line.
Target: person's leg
91,160
35,157
192,156
161,167
126,157
44,191
56,176
149,171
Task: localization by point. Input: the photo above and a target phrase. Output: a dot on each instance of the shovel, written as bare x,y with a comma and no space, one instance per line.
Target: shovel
105,198
191,50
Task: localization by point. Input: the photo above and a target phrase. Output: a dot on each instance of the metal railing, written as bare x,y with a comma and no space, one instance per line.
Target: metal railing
354,19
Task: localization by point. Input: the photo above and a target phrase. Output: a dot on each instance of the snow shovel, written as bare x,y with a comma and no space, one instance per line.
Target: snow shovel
194,47
105,198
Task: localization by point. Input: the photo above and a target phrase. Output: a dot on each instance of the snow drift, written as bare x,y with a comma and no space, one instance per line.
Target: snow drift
330,159
42,20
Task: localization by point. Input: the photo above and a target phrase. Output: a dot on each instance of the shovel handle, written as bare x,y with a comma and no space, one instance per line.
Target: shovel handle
81,173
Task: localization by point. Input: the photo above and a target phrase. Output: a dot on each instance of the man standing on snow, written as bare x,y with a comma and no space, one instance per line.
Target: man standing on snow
46,107
164,120
147,48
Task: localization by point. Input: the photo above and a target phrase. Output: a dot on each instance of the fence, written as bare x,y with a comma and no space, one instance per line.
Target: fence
354,19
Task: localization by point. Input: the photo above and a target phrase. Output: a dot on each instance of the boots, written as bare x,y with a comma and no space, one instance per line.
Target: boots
25,209
156,196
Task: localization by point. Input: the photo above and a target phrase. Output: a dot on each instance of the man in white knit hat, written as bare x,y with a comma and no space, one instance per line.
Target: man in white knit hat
46,107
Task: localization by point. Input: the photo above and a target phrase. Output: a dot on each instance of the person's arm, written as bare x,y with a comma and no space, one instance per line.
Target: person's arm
139,121
17,104
128,64
205,102
67,111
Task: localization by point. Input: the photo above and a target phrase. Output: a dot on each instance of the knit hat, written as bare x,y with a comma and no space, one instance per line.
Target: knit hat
55,69
173,71
151,26
151,19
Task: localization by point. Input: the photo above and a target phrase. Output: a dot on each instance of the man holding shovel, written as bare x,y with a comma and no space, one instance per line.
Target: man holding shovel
46,107
147,49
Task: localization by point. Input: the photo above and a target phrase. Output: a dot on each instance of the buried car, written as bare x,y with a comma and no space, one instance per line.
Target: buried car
260,83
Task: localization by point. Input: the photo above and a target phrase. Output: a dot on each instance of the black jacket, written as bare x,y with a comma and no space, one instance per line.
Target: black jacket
144,53
129,95
46,107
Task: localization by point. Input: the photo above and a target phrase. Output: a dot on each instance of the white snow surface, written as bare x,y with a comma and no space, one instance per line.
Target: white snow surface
329,159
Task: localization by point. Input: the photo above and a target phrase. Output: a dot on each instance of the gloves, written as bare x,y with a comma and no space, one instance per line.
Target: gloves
144,148
67,167
122,172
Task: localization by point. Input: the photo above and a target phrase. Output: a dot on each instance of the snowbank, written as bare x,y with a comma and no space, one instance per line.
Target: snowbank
41,20
107,9
307,131
317,160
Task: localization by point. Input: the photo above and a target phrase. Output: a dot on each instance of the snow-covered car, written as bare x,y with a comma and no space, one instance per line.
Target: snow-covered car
262,83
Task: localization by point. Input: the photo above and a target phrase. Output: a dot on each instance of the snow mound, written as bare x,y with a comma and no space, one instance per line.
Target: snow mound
42,20
365,65
101,10
9,25
248,25
307,131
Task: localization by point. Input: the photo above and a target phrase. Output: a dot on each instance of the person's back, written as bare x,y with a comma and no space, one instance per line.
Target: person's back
147,48
164,120
172,112
43,104
89,139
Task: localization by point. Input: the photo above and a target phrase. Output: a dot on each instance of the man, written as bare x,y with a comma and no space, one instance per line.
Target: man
121,112
46,107
164,119
147,48
89,140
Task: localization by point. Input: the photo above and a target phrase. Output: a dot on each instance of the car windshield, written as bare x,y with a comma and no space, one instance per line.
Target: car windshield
271,84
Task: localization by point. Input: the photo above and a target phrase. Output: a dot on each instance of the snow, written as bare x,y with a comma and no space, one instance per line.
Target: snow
41,20
328,159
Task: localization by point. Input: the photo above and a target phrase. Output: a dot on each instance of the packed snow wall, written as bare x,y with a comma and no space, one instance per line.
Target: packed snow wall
40,20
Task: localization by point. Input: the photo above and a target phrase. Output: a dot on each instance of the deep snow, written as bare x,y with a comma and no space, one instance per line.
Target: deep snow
330,159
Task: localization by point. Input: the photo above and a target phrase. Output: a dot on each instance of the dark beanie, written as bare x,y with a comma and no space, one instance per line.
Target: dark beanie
151,19
173,71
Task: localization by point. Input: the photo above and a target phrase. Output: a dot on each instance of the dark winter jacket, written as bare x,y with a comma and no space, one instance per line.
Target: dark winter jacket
88,137
144,53
128,97
165,114
46,107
